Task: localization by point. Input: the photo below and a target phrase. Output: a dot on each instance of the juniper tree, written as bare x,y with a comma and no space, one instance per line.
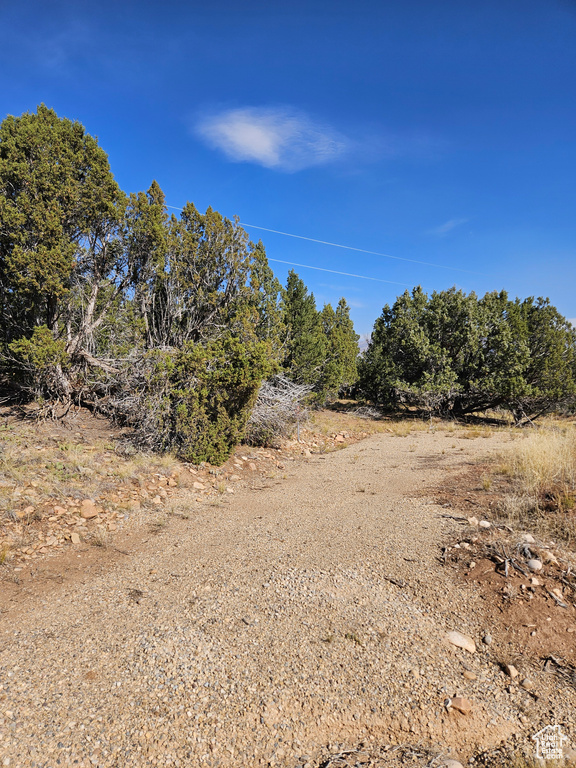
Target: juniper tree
453,354
306,348
60,212
267,302
340,366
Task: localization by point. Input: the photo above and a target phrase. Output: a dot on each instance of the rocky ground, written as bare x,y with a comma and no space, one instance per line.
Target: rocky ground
293,611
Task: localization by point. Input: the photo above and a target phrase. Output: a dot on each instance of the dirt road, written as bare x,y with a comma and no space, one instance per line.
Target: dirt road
306,615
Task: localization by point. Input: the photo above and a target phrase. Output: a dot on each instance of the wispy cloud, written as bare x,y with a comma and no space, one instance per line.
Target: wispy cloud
448,226
277,138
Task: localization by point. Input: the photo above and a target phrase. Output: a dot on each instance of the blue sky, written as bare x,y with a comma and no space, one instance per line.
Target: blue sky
436,131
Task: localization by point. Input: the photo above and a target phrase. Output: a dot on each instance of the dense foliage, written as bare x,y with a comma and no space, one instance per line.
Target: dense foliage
454,354
170,322
322,347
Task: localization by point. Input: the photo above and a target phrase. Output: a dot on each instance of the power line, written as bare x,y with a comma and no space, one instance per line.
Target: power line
349,248
335,272
360,250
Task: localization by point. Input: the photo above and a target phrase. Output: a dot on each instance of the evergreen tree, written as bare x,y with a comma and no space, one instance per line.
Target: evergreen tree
345,345
148,245
267,302
60,210
306,348
340,366
453,354
167,322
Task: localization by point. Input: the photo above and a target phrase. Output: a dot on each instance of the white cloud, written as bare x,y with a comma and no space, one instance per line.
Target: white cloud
448,226
572,320
277,138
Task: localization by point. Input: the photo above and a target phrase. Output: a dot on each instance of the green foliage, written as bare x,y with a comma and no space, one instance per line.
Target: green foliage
307,348
57,197
42,359
200,397
167,322
453,354
41,350
321,349
267,302
340,369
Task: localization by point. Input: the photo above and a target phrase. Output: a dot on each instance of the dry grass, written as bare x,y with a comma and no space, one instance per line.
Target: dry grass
347,417
326,422
544,460
37,469
472,434
542,468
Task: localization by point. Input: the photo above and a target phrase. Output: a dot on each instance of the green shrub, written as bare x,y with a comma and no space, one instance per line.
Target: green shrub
196,401
40,360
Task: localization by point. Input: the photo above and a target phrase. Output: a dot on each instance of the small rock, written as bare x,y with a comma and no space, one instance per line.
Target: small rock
461,641
549,557
473,521
75,538
487,639
339,438
534,565
484,524
252,467
461,704
234,477
469,675
449,763
535,582
199,486
157,500
527,684
511,670
528,538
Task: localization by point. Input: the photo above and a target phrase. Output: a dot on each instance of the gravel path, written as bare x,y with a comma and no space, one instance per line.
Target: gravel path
307,616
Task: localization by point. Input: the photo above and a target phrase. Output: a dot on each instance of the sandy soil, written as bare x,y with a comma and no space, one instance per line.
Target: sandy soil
299,618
